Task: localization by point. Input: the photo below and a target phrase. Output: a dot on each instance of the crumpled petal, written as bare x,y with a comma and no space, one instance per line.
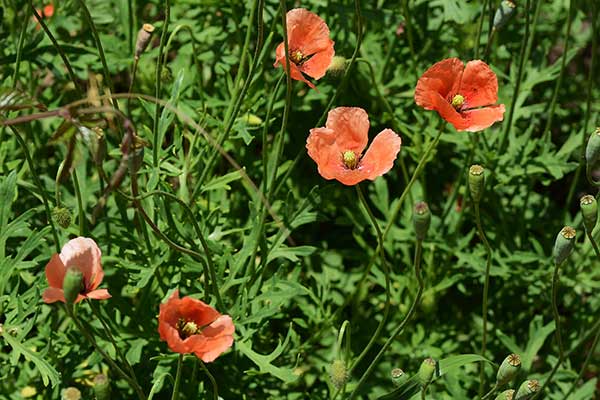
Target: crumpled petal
479,85
440,78
482,118
84,254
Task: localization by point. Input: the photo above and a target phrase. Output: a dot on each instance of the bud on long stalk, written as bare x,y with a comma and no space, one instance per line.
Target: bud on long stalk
592,151
62,217
476,181
338,374
589,209
503,13
421,219
143,39
508,369
565,240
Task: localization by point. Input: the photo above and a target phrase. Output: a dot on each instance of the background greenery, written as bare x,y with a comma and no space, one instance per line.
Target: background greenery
289,276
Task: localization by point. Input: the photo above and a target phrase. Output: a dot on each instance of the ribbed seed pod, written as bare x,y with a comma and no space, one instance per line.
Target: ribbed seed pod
527,389
421,219
565,240
72,284
476,181
398,377
589,209
508,369
506,395
592,151
427,370
503,13
143,39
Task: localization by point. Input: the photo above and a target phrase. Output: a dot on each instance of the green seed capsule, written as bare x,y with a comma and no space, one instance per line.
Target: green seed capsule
339,374
72,284
508,369
503,13
506,395
589,209
421,219
426,371
476,181
592,151
101,387
565,240
143,39
398,377
527,388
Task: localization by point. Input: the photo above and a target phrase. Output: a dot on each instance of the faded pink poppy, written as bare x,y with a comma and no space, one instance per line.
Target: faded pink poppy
337,148
309,46
83,254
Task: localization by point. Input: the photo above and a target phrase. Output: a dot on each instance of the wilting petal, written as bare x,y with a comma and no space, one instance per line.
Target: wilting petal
100,294
55,272
52,295
439,78
479,119
84,254
351,127
479,85
317,66
381,154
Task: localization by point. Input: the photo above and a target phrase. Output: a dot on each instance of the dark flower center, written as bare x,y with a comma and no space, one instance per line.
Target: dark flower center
187,328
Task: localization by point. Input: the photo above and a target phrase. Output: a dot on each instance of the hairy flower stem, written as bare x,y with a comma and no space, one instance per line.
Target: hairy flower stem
486,285
90,338
558,336
480,28
80,210
15,78
213,382
399,328
158,80
175,394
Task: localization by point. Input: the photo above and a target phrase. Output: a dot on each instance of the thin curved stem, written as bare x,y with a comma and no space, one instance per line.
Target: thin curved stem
486,286
399,328
175,394
490,393
80,210
20,50
158,78
213,382
480,28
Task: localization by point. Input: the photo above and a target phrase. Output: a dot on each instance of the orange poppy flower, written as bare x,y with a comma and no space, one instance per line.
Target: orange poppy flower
309,46
461,95
337,147
192,326
80,253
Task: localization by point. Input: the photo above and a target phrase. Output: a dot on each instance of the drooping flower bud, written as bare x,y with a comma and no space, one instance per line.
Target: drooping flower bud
589,209
565,240
337,67
398,377
62,217
101,387
136,157
506,395
421,219
527,388
427,370
72,284
143,39
508,369
338,373
476,181
592,151
70,393
503,13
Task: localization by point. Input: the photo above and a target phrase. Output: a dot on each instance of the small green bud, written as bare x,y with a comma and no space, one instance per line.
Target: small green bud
398,377
426,371
565,240
101,387
338,373
72,284
508,369
506,395
143,39
527,388
592,151
421,219
337,67
503,13
589,209
70,393
476,181
62,216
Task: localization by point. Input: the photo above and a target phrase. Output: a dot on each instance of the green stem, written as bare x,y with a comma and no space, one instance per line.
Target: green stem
409,36
113,365
20,50
558,335
486,286
213,382
80,210
490,393
158,78
480,28
399,328
175,394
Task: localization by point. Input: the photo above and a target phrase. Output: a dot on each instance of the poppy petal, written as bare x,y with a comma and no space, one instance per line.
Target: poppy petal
52,295
316,67
100,294
351,177
323,149
195,310
449,113
84,254
351,127
55,272
482,118
307,31
296,74
479,85
440,78
381,154
213,348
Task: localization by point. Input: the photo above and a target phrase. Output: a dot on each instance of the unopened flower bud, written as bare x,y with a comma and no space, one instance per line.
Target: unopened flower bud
72,284
592,151
508,369
476,181
136,157
527,388
70,393
338,373
565,240
100,153
101,387
337,67
62,217
589,209
421,219
503,13
143,39
427,370
398,377
506,395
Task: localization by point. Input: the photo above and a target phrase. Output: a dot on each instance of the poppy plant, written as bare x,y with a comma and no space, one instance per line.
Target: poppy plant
192,326
309,46
81,254
337,148
463,96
